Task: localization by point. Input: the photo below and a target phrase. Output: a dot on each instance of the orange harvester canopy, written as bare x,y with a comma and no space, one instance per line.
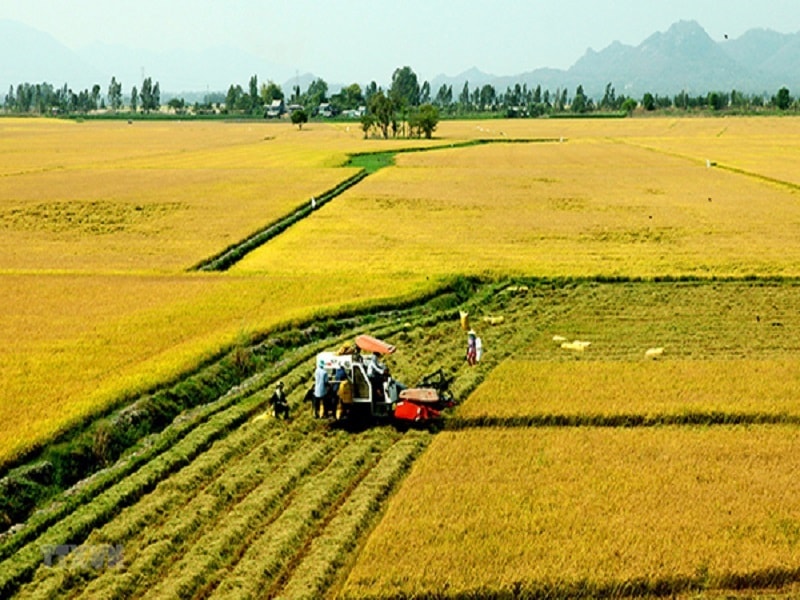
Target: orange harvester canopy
367,343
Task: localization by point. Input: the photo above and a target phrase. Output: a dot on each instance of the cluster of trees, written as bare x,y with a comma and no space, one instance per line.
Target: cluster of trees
717,101
404,108
44,98
407,107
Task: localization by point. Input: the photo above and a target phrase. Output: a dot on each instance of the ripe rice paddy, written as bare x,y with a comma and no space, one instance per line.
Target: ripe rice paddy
583,207
102,221
565,512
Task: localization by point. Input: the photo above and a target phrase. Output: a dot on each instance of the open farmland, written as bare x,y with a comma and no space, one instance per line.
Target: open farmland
625,236
583,207
565,512
600,472
100,222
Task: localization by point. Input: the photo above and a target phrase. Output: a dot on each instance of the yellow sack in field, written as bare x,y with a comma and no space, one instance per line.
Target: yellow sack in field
464,320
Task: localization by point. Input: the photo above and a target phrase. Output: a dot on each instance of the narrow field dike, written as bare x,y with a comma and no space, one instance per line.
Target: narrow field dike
231,255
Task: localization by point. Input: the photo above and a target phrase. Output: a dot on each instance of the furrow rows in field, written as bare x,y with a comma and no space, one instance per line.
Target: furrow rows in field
101,481
327,551
182,480
242,400
145,564
220,467
259,532
74,527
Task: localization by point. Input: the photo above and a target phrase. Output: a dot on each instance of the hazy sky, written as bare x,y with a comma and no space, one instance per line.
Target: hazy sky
362,40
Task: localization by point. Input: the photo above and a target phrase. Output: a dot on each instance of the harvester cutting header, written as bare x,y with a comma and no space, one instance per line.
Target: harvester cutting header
352,383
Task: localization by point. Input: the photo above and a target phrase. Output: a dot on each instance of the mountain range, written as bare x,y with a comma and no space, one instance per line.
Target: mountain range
682,58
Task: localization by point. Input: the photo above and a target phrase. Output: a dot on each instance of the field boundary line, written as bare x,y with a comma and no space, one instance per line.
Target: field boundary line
628,420
235,252
228,257
794,187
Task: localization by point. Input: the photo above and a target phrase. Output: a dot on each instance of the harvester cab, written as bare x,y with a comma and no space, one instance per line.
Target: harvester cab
361,388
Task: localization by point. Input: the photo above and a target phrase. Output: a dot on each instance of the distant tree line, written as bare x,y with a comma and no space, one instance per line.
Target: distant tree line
407,107
43,98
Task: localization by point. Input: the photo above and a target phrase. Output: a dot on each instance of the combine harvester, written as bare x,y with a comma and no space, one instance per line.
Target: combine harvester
355,396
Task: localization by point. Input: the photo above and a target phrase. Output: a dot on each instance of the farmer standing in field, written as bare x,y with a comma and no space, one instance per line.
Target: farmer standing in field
320,387
472,348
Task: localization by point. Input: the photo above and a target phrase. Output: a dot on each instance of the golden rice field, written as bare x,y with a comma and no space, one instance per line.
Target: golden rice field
566,512
75,343
101,222
649,389
585,206
91,210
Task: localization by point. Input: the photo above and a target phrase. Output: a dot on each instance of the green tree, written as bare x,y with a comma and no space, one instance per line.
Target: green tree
580,102
115,94
255,98
609,101
425,93
134,99
628,105
146,94
316,94
349,97
299,117
366,124
428,119
95,96
715,101
370,91
10,103
270,91
537,95
782,100
405,90
681,100
487,98
444,97
382,110
233,98
560,100
177,104
463,97
648,101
